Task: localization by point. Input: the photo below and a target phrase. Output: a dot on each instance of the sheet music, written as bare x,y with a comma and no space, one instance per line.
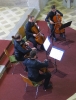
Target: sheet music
46,44
56,53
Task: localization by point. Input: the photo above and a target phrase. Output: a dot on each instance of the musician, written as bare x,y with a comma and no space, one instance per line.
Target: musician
29,34
21,48
33,66
49,18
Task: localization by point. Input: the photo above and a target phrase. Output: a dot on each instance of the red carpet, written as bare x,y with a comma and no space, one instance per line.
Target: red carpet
12,87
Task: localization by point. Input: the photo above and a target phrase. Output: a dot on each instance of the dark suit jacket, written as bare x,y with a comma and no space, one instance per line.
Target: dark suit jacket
33,67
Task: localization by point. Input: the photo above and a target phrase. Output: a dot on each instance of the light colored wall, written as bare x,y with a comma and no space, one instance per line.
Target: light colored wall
69,3
42,3
38,4
13,2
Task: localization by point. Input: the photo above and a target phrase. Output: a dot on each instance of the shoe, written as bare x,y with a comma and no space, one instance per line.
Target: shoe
42,48
48,87
62,35
55,39
38,49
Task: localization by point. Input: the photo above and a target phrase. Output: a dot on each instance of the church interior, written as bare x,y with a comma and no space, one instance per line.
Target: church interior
13,18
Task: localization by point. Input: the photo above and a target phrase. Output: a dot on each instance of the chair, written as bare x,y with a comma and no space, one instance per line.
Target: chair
22,33
12,59
31,83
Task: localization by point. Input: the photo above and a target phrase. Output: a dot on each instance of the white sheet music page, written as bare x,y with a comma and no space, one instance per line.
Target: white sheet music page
56,53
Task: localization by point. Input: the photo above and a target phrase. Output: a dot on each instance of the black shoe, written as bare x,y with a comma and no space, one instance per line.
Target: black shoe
42,48
38,49
54,39
48,87
62,35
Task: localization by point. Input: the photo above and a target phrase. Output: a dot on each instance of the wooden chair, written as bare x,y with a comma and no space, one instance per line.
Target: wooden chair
12,60
22,33
31,83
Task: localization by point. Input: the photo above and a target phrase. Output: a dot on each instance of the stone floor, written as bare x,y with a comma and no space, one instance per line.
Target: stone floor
9,16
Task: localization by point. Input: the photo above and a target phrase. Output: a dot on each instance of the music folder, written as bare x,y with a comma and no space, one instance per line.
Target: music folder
65,25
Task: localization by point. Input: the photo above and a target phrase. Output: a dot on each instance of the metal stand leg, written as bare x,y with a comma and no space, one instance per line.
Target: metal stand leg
36,92
55,65
26,87
47,56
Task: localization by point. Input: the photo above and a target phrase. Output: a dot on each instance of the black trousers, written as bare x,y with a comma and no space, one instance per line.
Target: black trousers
52,30
20,58
32,39
46,76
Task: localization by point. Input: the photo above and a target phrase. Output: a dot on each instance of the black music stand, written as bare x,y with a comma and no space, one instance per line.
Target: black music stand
65,25
57,54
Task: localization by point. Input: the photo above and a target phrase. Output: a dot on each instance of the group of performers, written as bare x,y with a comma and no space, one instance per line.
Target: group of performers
29,55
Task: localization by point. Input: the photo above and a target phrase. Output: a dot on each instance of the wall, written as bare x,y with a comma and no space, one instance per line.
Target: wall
38,4
42,3
13,2
69,3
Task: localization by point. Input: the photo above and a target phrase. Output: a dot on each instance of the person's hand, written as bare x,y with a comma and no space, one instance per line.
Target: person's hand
45,60
35,23
27,43
33,48
51,22
57,13
34,35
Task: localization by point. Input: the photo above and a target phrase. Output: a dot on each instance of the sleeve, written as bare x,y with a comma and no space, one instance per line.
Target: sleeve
25,64
28,32
59,12
42,64
47,17
20,48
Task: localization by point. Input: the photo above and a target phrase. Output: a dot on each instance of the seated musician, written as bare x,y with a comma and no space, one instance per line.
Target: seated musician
49,19
30,35
21,48
33,66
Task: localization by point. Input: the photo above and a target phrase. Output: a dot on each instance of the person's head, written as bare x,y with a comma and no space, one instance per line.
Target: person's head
33,54
31,18
17,37
53,8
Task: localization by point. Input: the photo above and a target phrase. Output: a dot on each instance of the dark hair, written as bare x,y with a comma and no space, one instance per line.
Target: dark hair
32,53
53,7
16,37
30,17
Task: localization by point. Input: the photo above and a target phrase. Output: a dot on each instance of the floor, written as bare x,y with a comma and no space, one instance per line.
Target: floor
9,16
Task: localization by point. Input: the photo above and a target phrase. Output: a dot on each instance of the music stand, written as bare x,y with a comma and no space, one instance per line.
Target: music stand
57,54
65,25
46,45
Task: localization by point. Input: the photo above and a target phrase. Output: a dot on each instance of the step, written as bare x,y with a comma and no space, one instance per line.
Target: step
4,44
2,70
4,58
